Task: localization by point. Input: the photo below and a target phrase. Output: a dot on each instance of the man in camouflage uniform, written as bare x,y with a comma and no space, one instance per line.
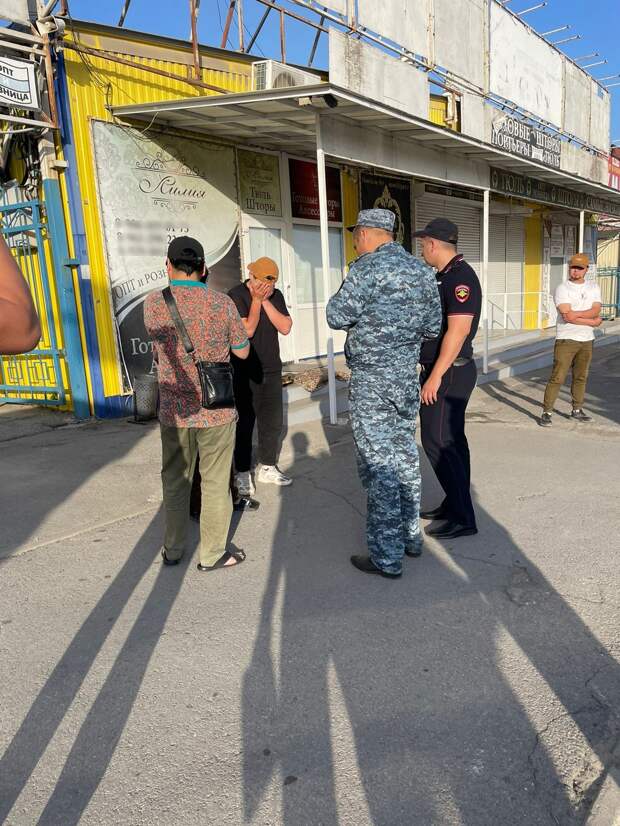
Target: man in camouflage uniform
388,304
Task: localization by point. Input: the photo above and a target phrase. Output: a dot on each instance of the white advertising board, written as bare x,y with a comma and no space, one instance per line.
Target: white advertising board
18,84
152,190
467,18
339,6
576,102
18,11
600,115
524,69
403,21
361,68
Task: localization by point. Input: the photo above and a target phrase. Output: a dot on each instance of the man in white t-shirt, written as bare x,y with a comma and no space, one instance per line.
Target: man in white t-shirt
579,307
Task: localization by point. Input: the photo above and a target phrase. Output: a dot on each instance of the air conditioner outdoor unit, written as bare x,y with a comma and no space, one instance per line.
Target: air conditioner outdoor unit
269,74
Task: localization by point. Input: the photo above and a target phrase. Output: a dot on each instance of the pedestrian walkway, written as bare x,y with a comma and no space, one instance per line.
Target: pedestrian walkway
482,687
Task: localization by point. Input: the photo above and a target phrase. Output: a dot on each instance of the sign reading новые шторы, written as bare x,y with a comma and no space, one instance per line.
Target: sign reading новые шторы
521,186
18,84
526,141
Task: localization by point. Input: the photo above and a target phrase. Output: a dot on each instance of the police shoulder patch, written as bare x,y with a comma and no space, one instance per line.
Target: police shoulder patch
462,293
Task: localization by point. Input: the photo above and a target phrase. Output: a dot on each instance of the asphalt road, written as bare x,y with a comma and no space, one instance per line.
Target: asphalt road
482,688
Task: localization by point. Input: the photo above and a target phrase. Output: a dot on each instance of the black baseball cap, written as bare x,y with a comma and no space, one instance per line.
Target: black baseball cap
441,229
185,248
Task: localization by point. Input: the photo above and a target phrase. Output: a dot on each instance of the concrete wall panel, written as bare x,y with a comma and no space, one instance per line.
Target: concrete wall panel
377,148
576,102
462,55
361,68
524,69
600,114
403,21
579,161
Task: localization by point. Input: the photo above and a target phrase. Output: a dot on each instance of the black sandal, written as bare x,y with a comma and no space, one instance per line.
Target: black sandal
238,555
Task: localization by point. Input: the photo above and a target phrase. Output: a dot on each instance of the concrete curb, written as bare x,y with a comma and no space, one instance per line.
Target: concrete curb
301,407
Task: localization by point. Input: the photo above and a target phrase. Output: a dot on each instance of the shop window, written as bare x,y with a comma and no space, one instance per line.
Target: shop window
308,266
266,242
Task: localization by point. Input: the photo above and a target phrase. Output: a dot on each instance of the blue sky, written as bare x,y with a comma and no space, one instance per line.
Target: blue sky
597,21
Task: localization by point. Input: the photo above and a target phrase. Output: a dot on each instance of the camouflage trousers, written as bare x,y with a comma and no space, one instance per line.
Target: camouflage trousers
383,411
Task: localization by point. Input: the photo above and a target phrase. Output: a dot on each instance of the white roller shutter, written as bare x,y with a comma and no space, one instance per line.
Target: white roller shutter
467,218
497,271
515,255
505,272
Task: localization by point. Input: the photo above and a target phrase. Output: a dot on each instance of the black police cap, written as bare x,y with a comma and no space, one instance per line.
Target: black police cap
441,229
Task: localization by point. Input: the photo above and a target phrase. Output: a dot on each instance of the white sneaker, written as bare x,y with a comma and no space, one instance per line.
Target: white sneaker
271,474
244,484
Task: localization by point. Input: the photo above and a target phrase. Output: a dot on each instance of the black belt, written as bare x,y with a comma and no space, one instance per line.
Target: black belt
460,362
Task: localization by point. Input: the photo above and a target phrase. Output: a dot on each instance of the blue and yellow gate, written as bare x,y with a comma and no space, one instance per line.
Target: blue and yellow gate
37,377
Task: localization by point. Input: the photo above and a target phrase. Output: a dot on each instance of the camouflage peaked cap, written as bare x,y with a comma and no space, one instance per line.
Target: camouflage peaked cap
375,218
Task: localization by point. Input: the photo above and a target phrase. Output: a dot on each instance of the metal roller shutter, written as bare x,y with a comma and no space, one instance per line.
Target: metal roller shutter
505,272
467,218
514,271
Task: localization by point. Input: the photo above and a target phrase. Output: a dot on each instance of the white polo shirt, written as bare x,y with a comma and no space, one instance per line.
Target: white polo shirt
580,297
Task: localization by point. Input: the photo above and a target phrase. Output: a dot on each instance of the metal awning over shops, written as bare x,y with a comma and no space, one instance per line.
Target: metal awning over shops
287,120
324,121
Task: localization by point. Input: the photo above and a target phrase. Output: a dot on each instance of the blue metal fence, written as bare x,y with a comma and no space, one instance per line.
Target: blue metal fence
609,282
36,377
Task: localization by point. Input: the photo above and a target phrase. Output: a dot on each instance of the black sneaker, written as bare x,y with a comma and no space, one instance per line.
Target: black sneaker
545,420
580,415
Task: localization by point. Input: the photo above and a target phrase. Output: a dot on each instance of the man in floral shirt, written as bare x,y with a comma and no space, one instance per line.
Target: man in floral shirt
189,430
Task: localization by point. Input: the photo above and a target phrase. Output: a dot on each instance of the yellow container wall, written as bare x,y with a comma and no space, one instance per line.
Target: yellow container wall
350,207
532,271
95,83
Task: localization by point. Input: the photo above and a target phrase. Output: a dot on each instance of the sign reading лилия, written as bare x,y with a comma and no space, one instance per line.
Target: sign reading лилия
521,186
516,137
18,84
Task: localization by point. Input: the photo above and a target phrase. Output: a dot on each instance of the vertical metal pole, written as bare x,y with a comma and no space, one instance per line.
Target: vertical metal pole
193,10
324,221
240,24
485,279
582,229
351,13
331,382
283,36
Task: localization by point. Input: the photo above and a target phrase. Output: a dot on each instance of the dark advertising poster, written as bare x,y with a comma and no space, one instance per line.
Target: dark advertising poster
305,191
394,194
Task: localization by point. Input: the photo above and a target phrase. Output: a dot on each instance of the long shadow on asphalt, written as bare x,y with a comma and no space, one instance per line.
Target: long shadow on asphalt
422,669
104,724
37,485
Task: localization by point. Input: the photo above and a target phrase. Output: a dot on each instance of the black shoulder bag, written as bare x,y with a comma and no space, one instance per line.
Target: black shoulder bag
216,377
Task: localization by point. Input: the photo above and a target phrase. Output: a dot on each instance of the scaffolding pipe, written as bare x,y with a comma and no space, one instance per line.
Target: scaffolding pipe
258,29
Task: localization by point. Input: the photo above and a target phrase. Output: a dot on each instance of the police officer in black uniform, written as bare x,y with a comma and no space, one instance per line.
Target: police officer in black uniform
448,378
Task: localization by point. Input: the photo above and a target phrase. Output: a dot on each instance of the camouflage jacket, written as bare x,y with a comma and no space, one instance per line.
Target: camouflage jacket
388,304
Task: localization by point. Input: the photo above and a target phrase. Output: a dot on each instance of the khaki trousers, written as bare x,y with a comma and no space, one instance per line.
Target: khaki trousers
569,354
180,447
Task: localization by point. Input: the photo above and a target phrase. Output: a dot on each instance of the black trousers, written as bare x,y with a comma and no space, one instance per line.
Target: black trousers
260,403
442,427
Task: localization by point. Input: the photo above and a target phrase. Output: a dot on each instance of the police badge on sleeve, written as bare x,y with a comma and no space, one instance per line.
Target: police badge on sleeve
462,293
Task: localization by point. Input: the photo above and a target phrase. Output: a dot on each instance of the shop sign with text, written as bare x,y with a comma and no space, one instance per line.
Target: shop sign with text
305,191
518,138
521,186
259,184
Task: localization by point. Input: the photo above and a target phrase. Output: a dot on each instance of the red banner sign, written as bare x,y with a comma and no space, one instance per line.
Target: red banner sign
305,191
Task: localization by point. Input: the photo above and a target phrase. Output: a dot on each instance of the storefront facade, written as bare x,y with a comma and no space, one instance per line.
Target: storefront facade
152,151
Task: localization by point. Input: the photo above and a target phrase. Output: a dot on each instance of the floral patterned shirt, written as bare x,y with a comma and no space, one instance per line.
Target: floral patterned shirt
215,328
